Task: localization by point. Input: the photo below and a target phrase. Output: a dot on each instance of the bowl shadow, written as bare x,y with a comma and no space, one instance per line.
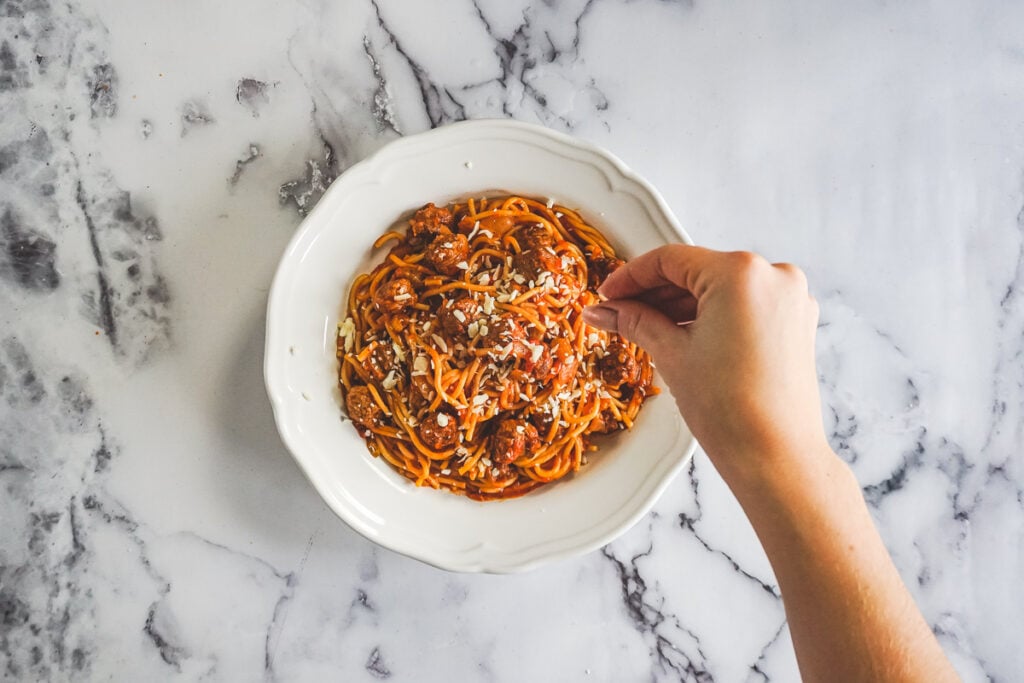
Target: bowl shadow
271,490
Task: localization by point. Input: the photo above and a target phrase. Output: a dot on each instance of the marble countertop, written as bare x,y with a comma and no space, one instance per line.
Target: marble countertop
155,158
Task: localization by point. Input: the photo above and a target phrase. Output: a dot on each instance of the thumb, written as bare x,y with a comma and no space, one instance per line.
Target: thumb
639,323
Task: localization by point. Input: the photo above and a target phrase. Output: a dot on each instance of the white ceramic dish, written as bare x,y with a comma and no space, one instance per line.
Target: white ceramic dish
333,244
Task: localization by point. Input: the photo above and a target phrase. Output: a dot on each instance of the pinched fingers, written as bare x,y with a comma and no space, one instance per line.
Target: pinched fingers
673,264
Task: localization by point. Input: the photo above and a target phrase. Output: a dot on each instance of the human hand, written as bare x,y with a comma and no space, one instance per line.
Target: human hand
733,337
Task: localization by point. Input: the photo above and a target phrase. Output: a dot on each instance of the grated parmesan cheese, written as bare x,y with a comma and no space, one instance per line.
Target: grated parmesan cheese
347,331
440,342
442,420
536,351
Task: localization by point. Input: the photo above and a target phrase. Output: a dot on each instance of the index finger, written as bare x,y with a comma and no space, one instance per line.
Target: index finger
673,264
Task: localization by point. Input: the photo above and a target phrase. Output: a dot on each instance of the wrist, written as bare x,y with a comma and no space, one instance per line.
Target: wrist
776,472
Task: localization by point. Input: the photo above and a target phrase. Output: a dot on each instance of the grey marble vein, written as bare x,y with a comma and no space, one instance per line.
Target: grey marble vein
151,173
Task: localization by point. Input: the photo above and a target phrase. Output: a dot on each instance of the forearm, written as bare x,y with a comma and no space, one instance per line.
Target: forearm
850,616
733,336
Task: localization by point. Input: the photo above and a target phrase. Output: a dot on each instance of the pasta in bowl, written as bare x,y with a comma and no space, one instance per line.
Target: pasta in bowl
586,508
465,362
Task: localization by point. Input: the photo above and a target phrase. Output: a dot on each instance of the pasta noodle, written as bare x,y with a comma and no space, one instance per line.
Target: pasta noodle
464,359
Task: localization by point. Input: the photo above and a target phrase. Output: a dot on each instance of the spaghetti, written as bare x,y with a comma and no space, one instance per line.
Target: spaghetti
464,359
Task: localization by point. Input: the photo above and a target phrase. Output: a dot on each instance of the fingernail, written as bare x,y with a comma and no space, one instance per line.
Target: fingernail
601,316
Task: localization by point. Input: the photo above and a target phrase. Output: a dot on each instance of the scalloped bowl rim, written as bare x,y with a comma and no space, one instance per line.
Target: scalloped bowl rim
481,556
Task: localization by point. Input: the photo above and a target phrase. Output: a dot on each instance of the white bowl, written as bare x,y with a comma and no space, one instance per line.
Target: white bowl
333,245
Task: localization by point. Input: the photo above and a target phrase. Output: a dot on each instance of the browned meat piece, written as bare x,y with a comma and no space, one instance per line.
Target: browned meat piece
542,421
380,361
439,431
565,361
604,423
362,409
431,220
498,225
540,368
599,268
512,439
507,330
619,365
455,320
394,296
446,252
424,384
413,275
536,261
534,237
